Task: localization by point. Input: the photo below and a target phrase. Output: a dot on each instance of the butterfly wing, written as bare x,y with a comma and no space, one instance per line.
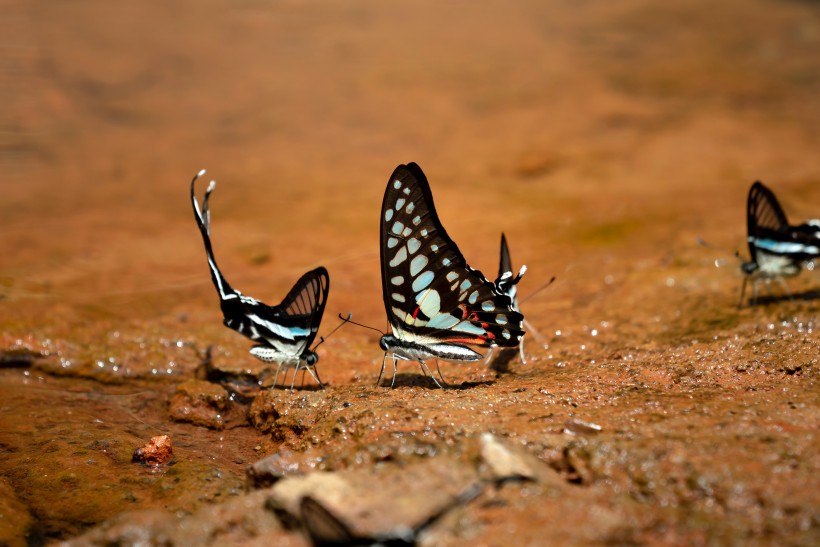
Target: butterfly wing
505,265
430,293
289,327
769,230
765,219
203,221
506,283
304,305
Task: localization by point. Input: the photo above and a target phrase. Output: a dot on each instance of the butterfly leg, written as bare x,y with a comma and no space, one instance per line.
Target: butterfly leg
384,360
293,380
489,356
742,291
276,378
439,374
315,375
521,351
754,293
535,333
395,369
427,372
785,288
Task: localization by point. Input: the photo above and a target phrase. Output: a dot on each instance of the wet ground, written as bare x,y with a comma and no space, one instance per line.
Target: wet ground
602,139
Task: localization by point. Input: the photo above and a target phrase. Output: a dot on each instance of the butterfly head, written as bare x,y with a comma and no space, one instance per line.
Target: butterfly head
310,357
387,341
748,268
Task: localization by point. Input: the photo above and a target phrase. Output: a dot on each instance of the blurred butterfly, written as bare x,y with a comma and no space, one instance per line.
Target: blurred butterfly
777,249
436,304
284,332
507,284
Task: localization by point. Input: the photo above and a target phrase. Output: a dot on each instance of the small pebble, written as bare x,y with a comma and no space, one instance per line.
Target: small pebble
157,452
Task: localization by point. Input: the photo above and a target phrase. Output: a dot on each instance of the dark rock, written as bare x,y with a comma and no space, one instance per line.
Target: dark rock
18,358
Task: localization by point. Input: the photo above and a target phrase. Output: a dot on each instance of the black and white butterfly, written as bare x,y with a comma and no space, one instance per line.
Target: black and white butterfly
777,249
435,302
284,332
507,284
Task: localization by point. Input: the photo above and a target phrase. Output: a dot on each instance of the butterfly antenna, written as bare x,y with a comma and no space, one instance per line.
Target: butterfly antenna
703,243
539,289
323,338
357,324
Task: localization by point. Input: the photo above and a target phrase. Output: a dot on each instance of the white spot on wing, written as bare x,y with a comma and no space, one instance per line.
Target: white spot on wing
443,321
422,281
388,214
398,280
430,303
401,256
417,264
413,245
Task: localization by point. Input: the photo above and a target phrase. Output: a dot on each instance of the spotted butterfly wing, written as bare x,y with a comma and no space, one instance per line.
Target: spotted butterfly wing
434,300
284,332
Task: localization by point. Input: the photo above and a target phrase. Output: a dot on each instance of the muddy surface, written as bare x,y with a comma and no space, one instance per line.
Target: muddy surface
602,139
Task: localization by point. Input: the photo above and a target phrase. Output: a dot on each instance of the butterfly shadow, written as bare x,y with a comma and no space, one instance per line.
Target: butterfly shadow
500,363
805,296
410,379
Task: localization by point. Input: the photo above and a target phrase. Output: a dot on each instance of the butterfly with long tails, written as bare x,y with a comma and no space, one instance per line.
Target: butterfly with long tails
777,248
284,332
436,304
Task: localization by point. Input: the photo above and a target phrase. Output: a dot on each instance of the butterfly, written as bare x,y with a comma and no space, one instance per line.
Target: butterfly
507,284
284,332
436,304
777,249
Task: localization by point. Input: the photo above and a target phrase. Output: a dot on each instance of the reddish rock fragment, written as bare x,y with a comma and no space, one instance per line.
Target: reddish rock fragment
157,452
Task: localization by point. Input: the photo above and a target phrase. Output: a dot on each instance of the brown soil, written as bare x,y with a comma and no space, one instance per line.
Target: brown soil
602,138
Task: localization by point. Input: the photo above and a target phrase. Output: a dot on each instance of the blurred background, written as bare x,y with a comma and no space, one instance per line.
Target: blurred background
602,138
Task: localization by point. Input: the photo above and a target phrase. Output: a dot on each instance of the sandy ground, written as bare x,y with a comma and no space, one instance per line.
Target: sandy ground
603,139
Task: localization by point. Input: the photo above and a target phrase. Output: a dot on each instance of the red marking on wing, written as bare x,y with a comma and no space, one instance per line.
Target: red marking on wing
416,311
478,340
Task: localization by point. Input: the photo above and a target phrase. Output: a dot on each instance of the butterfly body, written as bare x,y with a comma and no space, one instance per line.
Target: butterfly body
436,304
777,249
415,351
283,332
